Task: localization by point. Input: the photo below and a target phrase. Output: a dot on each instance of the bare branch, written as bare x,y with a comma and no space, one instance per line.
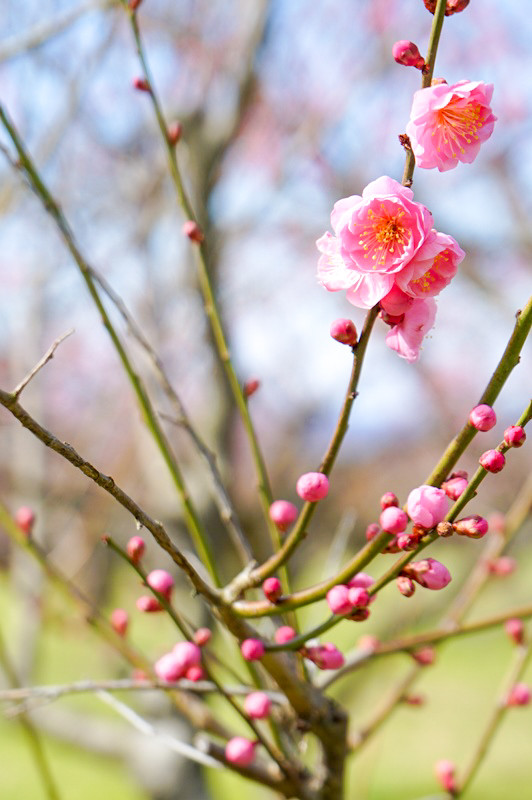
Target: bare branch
41,363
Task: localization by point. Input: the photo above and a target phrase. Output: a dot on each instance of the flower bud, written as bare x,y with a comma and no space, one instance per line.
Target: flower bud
344,331
483,417
272,589
134,4
492,461
135,549
454,486
325,656
425,656
284,634
252,649
405,585
187,654
202,636
141,84
358,614
388,499
515,436
25,519
368,642
194,674
161,581
250,387
362,581
338,599
393,520
283,514
240,751
257,705
473,526
519,695
359,597
168,668
414,699
148,604
497,522
312,486
445,769
392,546
427,506
444,529
515,629
429,573
407,53
119,621
193,231
502,566
372,531
451,6
407,541
174,132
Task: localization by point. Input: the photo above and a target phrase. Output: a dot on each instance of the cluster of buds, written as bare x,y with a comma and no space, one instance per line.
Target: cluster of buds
183,661
161,581
352,598
325,656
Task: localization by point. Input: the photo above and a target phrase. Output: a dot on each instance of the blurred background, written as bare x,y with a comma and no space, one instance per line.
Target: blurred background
286,106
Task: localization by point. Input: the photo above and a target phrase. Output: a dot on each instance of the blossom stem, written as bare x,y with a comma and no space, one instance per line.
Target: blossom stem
430,60
209,301
509,360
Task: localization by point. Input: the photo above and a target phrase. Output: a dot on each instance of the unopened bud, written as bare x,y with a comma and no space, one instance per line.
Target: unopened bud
161,581
257,705
445,769
194,674
451,6
483,417
515,629
406,586
454,487
425,656
519,695
148,604
250,387
272,589
141,84
240,751
408,541
389,499
344,331
192,230
283,514
312,486
407,53
492,461
444,529
429,573
502,566
120,621
414,699
473,526
372,531
174,132
252,649
202,636
393,520
25,519
368,642
284,634
515,436
134,4
135,549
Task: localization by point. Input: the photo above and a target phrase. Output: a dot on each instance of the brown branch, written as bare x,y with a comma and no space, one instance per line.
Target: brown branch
41,363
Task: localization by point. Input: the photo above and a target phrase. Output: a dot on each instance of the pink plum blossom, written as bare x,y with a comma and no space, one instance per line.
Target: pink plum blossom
448,123
406,337
432,268
427,506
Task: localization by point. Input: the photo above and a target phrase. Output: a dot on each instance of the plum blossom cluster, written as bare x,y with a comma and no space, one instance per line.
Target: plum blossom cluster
385,250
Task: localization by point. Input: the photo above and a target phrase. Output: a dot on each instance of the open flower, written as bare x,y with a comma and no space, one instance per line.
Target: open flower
406,337
448,123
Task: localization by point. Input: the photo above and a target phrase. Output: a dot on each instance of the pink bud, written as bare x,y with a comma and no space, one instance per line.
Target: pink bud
483,417
389,499
312,486
283,514
407,53
424,656
405,585
284,634
427,506
393,520
372,531
344,331
174,132
168,668
368,642
338,599
252,649
257,705
392,546
358,597
202,636
161,581
492,461
361,580
134,4
240,751
187,654
272,589
25,519
193,231
455,6
414,699
515,629
429,573
515,436
473,526
148,604
326,656
194,674
250,387
497,522
407,541
135,548
120,621
139,675
454,487
519,695
445,774
502,566
141,84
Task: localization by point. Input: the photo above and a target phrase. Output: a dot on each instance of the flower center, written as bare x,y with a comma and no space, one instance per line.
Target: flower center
457,125
383,234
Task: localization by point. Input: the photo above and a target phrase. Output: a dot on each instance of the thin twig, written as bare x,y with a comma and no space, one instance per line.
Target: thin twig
41,363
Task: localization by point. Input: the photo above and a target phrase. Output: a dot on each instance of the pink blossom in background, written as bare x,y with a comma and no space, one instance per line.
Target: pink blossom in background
427,506
406,337
448,123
